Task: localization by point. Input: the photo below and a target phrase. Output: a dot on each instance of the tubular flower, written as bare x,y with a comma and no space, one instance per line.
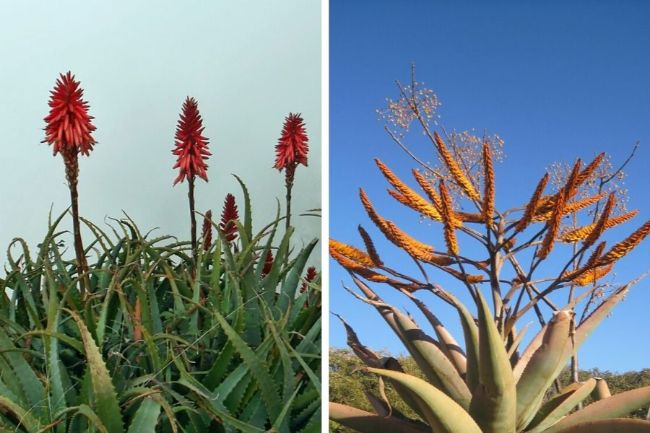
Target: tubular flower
229,215
532,205
191,146
206,233
292,146
553,226
68,125
429,189
593,275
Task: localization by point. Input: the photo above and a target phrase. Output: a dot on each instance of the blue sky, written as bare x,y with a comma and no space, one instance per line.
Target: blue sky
556,80
248,63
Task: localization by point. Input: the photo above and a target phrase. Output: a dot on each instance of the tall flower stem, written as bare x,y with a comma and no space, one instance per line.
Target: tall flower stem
290,173
190,195
72,173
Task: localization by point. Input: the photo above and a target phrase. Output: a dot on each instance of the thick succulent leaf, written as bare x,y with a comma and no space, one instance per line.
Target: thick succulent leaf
617,405
602,389
539,373
471,335
442,413
23,416
616,425
560,405
432,360
494,402
366,422
106,404
146,417
448,343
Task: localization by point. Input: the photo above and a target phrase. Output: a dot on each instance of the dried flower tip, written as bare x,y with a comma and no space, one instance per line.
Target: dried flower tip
229,217
206,232
532,204
292,147
455,170
68,125
351,253
370,247
622,248
191,146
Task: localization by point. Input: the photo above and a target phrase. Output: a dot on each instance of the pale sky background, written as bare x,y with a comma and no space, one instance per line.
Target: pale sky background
248,63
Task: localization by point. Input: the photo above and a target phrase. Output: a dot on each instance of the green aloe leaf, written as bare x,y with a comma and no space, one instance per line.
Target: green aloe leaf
146,417
617,405
442,413
494,402
616,425
539,373
105,398
560,405
433,361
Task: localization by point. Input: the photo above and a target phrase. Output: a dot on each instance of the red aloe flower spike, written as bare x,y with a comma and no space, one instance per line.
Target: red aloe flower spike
206,233
68,125
292,146
229,215
192,151
191,145
68,129
268,264
310,276
290,151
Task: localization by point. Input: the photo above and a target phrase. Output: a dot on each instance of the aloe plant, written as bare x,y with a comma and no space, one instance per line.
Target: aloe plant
489,383
161,343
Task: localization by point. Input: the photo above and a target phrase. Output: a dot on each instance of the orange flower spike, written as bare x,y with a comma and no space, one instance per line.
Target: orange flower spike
569,208
428,189
532,204
624,247
370,247
582,232
448,219
553,226
590,169
601,224
488,195
411,198
593,275
454,169
191,146
352,253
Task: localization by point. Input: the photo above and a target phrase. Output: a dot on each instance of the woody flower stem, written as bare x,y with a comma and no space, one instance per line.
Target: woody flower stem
190,195
289,176
72,173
